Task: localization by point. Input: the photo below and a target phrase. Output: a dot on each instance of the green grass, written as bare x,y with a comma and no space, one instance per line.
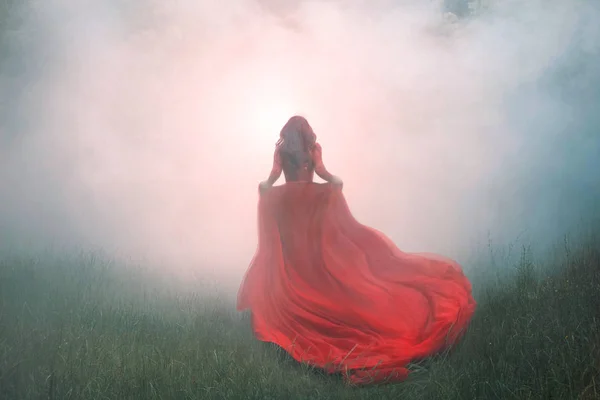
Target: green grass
83,327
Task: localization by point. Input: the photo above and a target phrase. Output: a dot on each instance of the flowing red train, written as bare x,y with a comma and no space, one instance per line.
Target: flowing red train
340,295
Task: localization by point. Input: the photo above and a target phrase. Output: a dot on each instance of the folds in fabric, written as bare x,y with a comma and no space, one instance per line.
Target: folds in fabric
340,295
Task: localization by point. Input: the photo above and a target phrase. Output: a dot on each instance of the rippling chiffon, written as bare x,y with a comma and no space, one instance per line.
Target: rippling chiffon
341,296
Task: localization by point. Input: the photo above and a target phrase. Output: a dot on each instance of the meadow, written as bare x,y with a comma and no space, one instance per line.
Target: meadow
82,326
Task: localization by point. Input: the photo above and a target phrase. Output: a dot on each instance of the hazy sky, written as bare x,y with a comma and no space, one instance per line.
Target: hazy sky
145,129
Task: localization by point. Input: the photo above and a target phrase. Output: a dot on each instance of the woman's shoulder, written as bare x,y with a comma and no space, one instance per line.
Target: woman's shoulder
316,152
278,147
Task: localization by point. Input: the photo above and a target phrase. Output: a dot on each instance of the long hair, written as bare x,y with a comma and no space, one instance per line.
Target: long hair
296,140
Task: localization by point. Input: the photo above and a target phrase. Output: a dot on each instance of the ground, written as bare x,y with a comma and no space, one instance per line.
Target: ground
79,327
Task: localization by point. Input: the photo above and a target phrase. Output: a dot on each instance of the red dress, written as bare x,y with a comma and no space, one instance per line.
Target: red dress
341,296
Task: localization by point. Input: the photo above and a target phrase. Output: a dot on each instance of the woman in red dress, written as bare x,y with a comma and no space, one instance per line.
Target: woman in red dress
335,293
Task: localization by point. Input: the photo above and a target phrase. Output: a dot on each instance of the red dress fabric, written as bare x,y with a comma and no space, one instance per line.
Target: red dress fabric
340,295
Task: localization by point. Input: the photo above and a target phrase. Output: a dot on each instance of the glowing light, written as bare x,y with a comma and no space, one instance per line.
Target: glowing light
270,115
261,99
272,105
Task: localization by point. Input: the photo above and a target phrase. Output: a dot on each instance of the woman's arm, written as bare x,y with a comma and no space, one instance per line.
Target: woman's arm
275,171
320,168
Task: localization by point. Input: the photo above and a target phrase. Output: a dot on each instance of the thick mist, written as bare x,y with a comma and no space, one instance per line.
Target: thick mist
144,130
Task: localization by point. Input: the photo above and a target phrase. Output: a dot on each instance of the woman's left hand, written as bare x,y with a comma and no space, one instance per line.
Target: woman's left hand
337,181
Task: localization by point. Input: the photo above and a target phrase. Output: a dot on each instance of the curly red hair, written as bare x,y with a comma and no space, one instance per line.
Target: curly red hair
296,140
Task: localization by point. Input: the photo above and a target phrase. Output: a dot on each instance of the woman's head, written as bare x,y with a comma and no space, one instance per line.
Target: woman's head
296,140
298,126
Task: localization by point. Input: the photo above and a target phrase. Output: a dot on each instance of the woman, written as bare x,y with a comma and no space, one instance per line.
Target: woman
335,293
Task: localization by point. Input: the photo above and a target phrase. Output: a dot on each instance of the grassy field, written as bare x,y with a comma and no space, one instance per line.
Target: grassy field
81,327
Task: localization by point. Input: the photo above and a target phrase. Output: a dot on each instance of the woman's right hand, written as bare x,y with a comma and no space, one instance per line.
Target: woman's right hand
264,186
